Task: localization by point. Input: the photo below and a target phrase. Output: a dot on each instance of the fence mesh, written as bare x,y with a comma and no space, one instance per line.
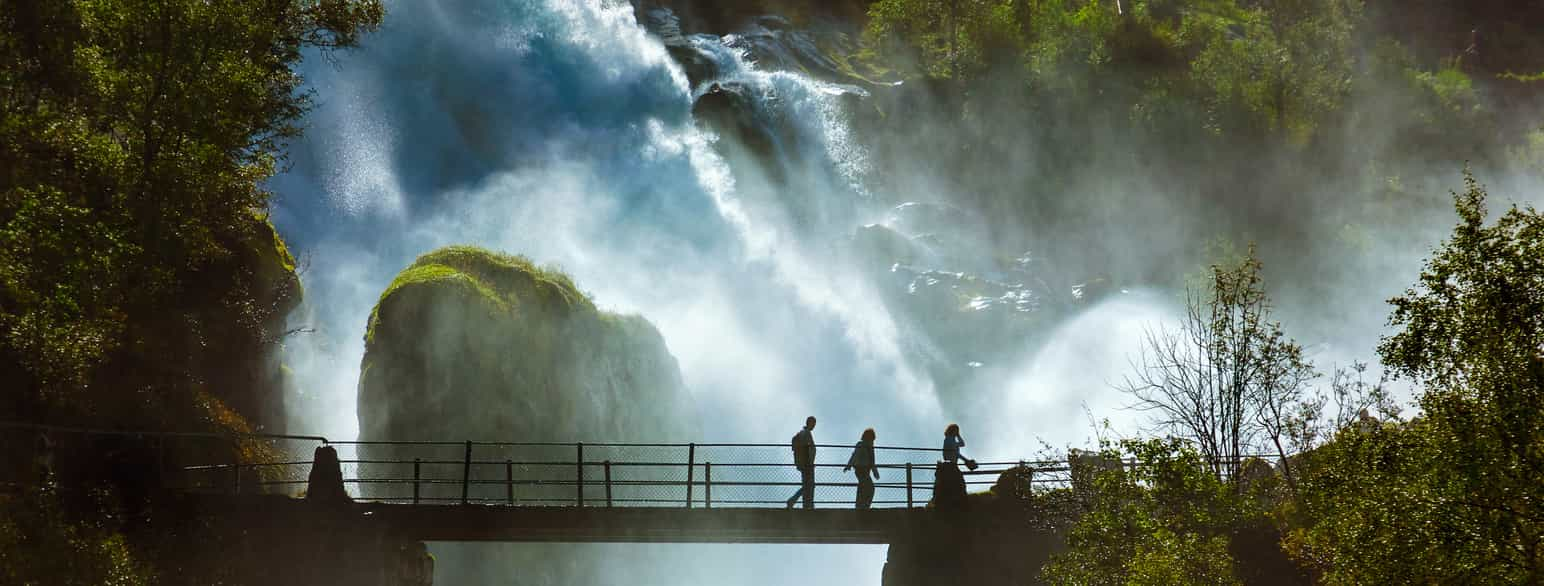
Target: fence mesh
514,474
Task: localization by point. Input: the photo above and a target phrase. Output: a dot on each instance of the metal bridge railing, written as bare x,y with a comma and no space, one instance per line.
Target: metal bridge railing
692,475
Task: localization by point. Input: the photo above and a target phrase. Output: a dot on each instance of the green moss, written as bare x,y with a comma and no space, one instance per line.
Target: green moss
506,282
272,242
511,350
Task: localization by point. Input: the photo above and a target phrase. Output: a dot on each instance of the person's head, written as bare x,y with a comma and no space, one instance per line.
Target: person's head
809,422
952,430
868,434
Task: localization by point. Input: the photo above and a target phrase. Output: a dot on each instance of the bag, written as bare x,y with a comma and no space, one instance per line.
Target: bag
970,464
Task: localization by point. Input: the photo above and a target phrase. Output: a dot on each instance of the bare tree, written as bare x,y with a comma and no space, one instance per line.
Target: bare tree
1226,377
1351,400
1284,378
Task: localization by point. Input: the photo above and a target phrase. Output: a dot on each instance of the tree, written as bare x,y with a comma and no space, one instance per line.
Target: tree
1165,520
1472,334
135,136
956,39
1227,377
1457,487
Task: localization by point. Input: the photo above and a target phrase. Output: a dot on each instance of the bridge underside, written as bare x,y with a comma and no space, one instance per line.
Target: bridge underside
596,525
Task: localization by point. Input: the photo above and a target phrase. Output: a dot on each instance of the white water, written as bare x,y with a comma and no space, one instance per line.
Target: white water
559,130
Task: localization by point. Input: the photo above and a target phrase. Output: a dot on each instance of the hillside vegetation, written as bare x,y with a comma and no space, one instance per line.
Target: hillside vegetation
142,286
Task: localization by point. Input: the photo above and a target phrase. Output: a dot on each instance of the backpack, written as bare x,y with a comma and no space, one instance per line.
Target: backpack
793,443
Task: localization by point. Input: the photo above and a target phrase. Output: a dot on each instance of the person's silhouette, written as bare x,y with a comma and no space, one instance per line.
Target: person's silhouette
862,460
952,444
804,459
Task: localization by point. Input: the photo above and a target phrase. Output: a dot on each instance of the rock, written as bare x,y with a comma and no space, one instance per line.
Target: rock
325,484
882,245
697,65
237,346
469,344
729,108
472,344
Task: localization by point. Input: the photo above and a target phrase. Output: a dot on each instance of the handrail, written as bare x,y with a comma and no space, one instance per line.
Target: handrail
579,474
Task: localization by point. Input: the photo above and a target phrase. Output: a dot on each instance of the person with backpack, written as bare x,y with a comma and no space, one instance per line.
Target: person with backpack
862,460
804,459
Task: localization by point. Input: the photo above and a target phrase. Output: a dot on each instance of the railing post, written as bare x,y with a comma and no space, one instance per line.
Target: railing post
509,482
691,462
608,484
417,462
579,471
707,484
466,471
235,467
908,485
1029,477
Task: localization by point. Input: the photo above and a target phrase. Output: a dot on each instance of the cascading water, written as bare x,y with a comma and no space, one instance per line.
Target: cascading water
561,130
568,137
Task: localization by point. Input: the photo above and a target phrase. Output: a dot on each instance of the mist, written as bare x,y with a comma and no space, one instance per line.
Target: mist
563,131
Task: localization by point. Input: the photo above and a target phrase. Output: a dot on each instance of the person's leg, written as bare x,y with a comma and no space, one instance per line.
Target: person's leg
809,486
865,490
858,501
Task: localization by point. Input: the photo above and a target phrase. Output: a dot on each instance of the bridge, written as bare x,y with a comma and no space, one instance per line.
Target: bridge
558,492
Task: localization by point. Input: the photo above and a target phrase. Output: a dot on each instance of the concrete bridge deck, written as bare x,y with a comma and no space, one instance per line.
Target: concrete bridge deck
593,525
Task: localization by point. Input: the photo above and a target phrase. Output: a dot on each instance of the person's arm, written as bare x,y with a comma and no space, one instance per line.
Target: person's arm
852,460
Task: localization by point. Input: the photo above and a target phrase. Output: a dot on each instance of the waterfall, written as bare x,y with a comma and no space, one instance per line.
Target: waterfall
561,130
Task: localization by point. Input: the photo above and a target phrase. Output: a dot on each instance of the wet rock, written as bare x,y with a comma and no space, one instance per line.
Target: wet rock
698,65
729,108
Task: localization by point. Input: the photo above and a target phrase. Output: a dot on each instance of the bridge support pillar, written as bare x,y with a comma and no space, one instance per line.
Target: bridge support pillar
326,481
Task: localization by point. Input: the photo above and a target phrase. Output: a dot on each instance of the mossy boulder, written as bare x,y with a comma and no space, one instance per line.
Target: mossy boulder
471,344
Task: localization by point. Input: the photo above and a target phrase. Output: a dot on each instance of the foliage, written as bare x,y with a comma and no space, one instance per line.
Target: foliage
1067,117
141,283
40,543
1280,66
1166,520
135,135
1457,487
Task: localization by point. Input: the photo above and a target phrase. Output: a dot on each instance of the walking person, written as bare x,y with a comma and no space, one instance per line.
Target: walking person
804,459
862,462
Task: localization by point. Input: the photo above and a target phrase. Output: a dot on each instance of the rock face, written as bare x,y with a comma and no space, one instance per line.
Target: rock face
236,349
471,344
